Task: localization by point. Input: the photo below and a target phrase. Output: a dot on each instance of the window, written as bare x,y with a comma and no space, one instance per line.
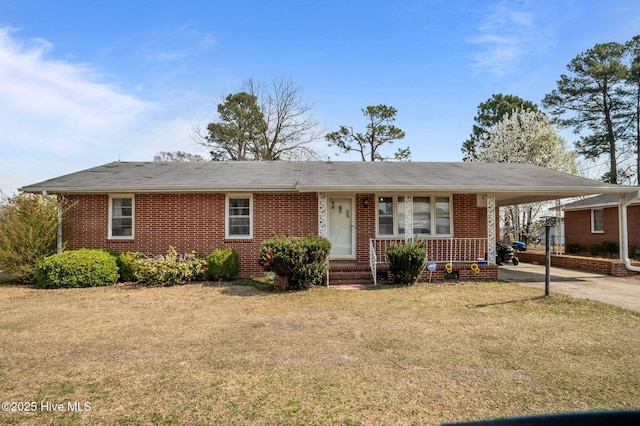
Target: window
385,216
597,220
121,217
239,220
443,216
392,216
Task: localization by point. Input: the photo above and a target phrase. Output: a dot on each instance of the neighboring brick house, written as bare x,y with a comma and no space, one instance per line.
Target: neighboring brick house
360,207
596,219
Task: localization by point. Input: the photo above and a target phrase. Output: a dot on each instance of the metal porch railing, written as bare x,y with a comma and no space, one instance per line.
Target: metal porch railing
440,250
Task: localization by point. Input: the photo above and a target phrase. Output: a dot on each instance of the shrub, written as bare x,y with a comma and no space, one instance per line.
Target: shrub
406,262
632,252
28,234
610,247
77,268
170,269
223,264
129,265
572,248
595,248
302,260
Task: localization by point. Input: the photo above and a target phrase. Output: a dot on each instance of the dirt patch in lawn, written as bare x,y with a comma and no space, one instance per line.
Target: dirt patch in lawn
220,354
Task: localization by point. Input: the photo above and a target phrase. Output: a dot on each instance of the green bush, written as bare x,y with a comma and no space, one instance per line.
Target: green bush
77,268
170,269
129,264
406,262
28,234
632,252
302,260
610,247
571,248
595,249
223,264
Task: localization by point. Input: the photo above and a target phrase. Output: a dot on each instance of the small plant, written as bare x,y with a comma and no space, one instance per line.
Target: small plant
572,248
77,268
302,261
595,249
610,247
223,264
406,262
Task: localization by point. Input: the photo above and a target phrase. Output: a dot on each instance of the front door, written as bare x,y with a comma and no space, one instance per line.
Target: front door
341,222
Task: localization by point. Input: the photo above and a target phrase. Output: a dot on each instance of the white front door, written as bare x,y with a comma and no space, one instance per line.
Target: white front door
341,222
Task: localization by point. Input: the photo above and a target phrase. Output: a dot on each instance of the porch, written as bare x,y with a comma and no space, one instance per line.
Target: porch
460,252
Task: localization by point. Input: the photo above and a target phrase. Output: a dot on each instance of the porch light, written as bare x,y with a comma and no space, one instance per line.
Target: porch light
366,201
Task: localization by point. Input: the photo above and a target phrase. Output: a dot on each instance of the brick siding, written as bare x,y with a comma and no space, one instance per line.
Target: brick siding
196,222
580,263
577,225
191,222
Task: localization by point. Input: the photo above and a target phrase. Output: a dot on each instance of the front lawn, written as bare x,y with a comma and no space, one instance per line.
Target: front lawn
198,354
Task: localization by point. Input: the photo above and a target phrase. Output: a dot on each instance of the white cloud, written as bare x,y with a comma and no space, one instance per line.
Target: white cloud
58,117
508,32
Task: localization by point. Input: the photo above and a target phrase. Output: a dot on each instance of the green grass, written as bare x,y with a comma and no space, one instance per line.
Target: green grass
223,354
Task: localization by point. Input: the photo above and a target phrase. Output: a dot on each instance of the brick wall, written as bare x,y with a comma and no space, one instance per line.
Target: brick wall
577,225
486,273
590,264
191,222
365,225
196,222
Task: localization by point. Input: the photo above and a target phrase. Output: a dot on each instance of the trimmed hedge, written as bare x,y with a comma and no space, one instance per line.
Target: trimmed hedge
223,264
77,268
406,262
302,260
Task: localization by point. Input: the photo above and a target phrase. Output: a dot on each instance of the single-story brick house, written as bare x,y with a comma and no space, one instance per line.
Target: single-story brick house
596,219
361,207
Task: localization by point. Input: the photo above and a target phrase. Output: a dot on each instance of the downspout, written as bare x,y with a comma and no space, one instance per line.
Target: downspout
59,209
624,236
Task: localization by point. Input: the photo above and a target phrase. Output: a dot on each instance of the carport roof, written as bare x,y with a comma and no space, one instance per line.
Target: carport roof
512,183
600,201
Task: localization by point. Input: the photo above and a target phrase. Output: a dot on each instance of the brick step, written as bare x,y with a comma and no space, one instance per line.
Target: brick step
350,273
350,281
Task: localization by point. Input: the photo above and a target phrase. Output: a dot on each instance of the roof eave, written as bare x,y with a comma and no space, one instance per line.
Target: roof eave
139,190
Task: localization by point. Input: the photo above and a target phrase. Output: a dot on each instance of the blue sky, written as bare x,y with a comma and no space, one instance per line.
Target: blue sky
84,83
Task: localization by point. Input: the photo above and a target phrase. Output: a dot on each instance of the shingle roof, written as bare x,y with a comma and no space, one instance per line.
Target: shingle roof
512,183
599,201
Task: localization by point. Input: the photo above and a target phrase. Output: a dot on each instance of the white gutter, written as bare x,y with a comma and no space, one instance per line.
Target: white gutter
59,208
624,236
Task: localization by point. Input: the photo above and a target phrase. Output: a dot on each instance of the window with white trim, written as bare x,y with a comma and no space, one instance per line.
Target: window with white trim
385,216
121,208
597,221
239,216
391,218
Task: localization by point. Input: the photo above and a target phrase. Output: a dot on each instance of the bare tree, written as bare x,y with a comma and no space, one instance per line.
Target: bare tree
263,123
177,156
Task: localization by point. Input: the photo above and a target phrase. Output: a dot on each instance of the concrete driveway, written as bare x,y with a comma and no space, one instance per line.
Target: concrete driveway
622,292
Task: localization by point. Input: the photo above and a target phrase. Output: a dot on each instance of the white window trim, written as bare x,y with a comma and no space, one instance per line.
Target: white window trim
226,216
110,235
432,203
593,222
